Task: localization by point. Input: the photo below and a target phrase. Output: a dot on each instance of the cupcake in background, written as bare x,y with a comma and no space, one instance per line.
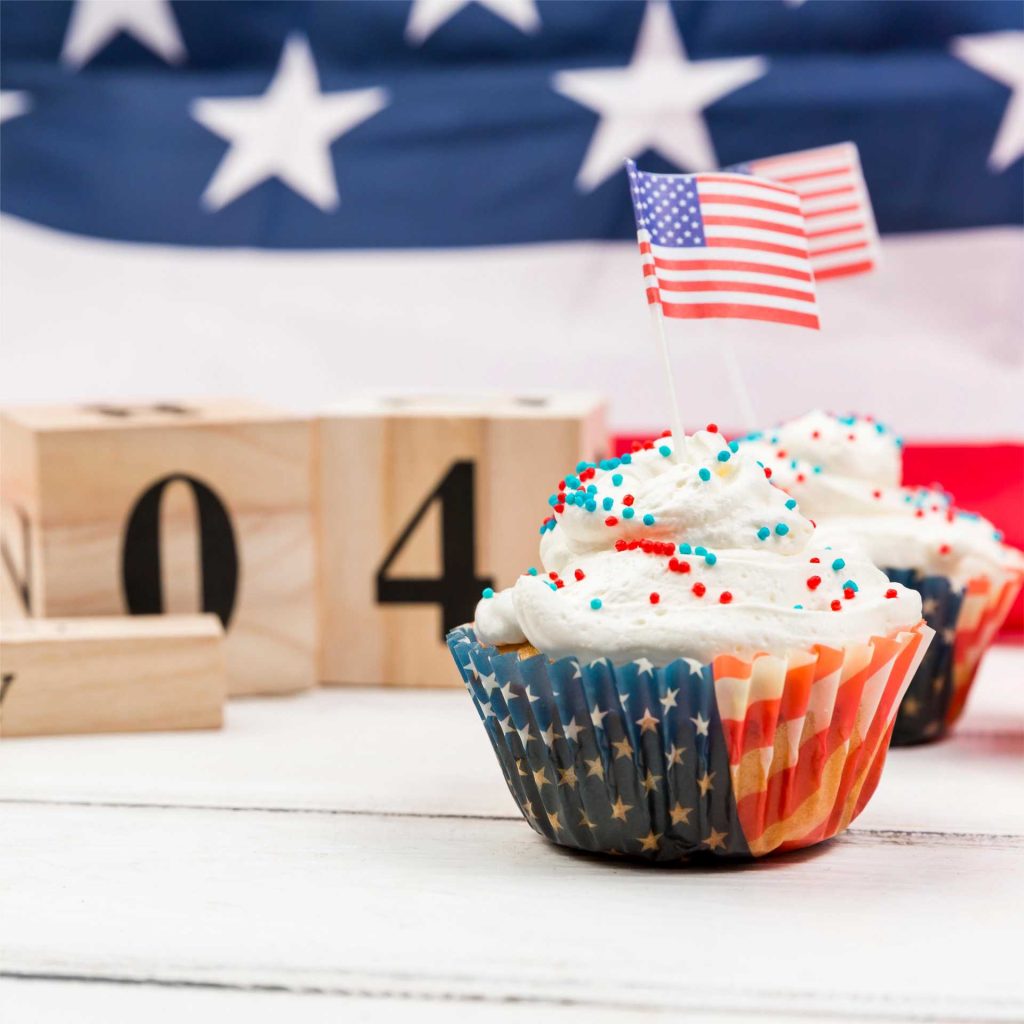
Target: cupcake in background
690,671
845,471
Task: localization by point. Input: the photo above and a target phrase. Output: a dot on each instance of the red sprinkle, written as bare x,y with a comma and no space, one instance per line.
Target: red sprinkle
800,478
815,434
620,544
890,592
848,593
943,549
699,589
851,437
655,598
816,560
559,508
781,453
553,575
767,472
836,605
876,494
813,582
673,564
725,597
612,521
712,428
919,513
665,433
628,499
559,584
578,574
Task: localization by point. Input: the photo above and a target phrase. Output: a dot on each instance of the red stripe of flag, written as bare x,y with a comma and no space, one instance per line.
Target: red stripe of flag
838,248
758,204
709,310
744,243
841,191
832,210
831,172
752,222
845,270
854,226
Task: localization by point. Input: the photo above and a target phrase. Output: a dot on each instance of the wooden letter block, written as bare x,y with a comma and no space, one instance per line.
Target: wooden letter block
146,509
126,674
422,504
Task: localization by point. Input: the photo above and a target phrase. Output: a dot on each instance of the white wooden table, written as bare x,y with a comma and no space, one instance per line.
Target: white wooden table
354,855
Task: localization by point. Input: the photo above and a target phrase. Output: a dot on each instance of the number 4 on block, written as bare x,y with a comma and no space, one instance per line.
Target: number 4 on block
422,504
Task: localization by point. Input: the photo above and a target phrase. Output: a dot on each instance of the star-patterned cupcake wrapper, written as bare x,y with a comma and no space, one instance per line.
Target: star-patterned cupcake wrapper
737,758
966,620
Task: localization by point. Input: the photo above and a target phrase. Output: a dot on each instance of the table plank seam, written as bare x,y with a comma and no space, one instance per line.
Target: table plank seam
882,1005
854,833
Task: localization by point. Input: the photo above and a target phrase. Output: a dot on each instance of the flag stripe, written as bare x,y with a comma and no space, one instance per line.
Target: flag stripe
737,265
683,258
848,208
736,286
710,310
752,222
839,248
844,270
837,230
742,180
757,246
789,179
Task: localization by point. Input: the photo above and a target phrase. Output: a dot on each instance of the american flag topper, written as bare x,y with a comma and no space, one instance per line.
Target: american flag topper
841,231
723,245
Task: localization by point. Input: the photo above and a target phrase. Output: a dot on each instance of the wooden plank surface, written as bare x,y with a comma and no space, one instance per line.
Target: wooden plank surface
357,850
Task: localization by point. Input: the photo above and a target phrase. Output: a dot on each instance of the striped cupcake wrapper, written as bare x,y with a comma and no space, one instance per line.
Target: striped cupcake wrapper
966,620
736,758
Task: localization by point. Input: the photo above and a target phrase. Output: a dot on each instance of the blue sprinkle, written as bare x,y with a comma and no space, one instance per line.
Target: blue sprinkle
879,429
838,564
899,442
552,586
614,463
791,504
532,571
591,505
724,456
733,446
700,550
628,512
850,585
595,603
792,463
764,533
665,450
800,606
570,498
553,500
704,473
817,469
781,529
997,535
627,459
607,503
572,481
648,519
617,479
685,549
487,592
710,558
580,466
591,488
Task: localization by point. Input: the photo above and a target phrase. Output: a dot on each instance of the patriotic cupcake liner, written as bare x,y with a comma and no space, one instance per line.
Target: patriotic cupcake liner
737,758
966,620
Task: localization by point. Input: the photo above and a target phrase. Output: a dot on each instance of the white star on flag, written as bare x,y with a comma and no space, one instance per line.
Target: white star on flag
13,103
1000,55
285,133
655,102
701,724
597,717
644,666
427,16
94,23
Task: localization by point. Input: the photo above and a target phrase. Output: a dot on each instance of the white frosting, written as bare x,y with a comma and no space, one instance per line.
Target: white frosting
755,548
845,474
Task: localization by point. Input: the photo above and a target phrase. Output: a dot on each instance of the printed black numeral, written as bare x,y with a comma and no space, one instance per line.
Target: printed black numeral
458,589
218,553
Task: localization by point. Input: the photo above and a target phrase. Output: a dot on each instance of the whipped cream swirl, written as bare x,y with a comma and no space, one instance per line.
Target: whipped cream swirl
845,471
687,550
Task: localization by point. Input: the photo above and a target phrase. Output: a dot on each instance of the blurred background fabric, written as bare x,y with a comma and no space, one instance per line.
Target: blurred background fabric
296,200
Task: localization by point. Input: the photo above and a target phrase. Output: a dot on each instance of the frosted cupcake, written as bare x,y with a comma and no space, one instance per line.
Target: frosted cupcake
690,671
845,472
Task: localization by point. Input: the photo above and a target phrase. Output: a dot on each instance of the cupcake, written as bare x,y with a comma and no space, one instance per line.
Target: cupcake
690,672
845,471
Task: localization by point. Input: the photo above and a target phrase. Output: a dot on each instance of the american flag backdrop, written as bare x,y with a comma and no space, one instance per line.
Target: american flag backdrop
300,199
723,245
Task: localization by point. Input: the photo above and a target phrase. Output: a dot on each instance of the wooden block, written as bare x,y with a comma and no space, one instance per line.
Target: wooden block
145,509
422,503
125,674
